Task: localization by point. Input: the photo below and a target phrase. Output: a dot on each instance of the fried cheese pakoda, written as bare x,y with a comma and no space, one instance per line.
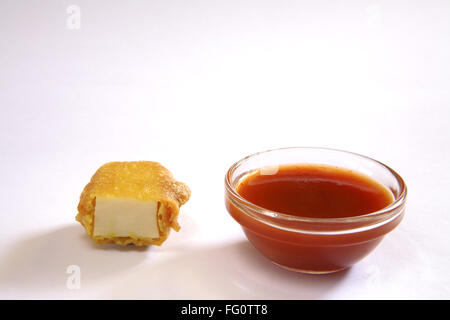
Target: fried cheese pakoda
131,203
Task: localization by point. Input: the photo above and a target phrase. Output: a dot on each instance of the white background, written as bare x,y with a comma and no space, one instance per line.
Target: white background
197,85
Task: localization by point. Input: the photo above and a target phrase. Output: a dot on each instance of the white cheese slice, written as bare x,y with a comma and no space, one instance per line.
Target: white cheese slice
116,217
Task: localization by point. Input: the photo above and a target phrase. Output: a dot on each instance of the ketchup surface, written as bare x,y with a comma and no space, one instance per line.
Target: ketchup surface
315,191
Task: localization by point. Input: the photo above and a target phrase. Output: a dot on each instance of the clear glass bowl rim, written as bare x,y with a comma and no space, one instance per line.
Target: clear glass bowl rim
386,212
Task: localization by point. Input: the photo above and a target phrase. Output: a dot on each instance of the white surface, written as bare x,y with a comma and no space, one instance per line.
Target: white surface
198,85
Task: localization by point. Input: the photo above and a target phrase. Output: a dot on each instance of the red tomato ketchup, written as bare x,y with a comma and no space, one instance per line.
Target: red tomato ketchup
313,218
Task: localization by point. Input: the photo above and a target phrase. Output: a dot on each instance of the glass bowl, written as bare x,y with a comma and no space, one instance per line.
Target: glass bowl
313,245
